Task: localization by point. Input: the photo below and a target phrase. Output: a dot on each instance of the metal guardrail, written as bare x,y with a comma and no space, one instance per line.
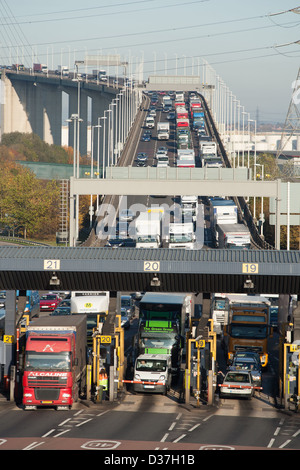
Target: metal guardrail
21,241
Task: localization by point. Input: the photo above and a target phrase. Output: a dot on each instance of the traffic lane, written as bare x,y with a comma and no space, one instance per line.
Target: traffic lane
234,431
112,445
15,422
125,425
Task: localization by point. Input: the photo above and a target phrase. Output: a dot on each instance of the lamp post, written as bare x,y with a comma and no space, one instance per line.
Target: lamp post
103,144
262,199
77,79
254,172
74,118
92,171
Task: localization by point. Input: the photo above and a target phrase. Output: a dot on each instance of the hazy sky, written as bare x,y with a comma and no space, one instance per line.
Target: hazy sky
247,45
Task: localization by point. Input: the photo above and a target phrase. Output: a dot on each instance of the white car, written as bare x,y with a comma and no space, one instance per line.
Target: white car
237,384
126,214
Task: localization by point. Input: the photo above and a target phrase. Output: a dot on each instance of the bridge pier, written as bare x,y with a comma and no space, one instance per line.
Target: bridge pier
34,104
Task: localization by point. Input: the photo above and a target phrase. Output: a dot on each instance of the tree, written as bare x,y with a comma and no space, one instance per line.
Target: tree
28,202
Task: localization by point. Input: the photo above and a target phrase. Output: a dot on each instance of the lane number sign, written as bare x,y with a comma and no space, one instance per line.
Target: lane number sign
151,266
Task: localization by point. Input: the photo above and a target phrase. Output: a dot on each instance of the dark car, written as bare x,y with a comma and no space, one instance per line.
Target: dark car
142,157
240,355
61,311
120,242
146,137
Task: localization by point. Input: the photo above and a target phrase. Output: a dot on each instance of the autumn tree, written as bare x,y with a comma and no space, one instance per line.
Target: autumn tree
29,202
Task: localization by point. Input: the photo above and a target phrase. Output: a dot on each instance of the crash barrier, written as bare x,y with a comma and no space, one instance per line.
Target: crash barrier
240,386
142,382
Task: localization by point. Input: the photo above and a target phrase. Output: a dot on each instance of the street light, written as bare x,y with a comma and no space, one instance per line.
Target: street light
262,199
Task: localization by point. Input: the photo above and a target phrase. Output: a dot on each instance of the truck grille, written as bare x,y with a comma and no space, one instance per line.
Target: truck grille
46,394
257,349
47,381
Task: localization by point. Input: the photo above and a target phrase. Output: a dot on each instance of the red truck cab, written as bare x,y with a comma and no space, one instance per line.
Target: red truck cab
55,363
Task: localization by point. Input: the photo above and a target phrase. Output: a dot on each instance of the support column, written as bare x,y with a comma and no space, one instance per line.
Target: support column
14,111
51,98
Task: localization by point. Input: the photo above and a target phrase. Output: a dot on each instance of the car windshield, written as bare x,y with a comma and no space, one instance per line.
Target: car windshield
244,365
62,311
64,303
236,377
48,297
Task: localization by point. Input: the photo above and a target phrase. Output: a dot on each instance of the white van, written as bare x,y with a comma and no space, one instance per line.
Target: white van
150,122
152,373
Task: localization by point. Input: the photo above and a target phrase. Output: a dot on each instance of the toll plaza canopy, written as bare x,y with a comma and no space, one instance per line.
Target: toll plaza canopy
165,270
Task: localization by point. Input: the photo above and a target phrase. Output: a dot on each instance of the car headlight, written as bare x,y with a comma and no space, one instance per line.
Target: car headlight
256,377
161,378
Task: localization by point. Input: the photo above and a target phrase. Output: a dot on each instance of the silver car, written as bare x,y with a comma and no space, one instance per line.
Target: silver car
237,384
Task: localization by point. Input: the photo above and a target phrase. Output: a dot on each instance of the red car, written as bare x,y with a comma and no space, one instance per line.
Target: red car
49,302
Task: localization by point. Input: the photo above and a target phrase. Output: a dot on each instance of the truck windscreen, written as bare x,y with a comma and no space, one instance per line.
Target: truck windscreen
47,361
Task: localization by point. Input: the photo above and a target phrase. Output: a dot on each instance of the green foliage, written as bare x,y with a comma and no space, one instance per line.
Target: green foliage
27,204
33,148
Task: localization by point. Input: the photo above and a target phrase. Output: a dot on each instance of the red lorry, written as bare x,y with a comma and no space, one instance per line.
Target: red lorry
55,362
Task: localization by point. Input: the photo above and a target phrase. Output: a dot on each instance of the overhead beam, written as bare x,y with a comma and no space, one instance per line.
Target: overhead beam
165,187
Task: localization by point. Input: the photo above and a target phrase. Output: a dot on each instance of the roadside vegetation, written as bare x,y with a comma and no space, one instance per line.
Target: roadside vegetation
30,207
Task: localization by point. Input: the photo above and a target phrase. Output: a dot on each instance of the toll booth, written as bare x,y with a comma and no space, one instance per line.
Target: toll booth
108,354
291,376
200,365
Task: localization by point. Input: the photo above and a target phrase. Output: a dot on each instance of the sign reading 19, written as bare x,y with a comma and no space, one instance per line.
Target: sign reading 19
250,268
